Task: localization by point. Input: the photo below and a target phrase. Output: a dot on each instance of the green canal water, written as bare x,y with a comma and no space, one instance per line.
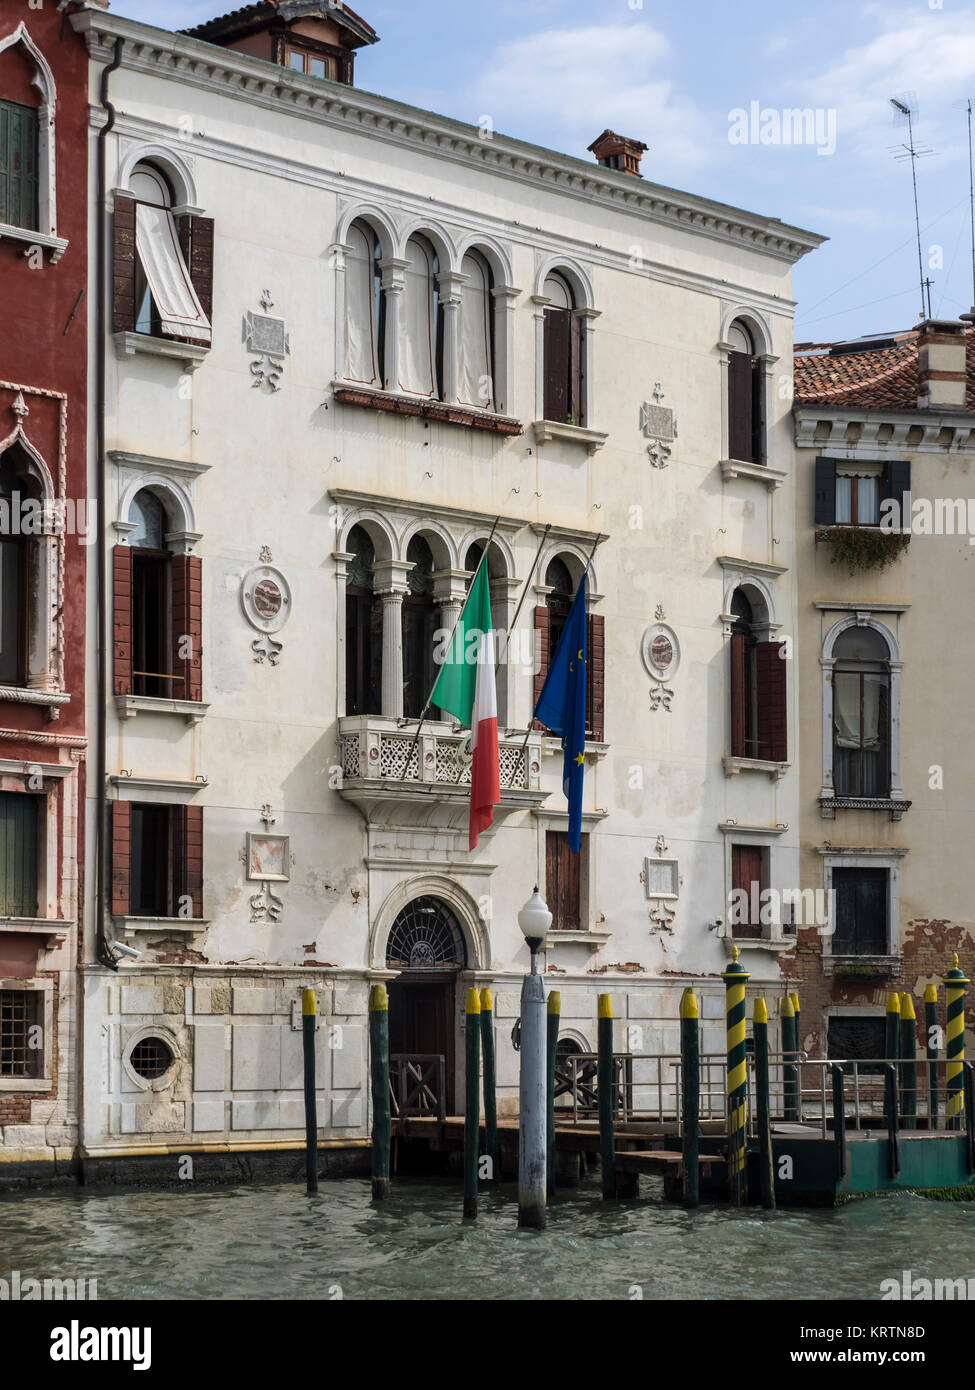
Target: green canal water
275,1242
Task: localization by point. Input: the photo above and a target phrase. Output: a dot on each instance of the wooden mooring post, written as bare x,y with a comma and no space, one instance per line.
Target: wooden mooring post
379,1057
472,1104
735,978
790,1073
955,983
892,1035
839,1119
554,1016
690,1075
308,1012
932,1037
605,1079
908,1055
763,1105
490,1085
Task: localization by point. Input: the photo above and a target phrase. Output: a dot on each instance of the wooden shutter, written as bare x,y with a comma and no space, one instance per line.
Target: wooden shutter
758,453
187,627
542,634
556,366
740,428
738,749
18,854
577,370
562,881
123,265
825,514
18,166
122,618
770,677
196,244
596,682
121,858
190,826
897,486
748,867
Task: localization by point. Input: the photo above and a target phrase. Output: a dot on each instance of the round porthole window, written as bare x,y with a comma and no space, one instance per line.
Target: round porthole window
151,1058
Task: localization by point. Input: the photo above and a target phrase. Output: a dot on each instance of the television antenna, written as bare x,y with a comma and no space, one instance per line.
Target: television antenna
907,110
970,316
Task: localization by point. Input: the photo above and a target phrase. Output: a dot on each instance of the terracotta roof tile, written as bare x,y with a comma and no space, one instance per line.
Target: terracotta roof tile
880,378
254,10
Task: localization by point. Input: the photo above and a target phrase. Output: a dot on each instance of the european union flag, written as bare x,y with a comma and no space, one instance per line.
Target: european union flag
562,707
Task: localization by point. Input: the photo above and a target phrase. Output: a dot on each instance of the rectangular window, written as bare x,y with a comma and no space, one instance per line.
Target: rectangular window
861,910
20,1015
749,878
18,166
150,625
175,309
857,499
158,860
848,494
19,814
563,880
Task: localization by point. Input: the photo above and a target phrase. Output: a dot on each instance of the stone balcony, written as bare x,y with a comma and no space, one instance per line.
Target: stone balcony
381,768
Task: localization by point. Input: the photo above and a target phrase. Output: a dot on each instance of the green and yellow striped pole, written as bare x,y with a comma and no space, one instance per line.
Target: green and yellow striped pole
955,983
734,979
490,1087
308,1011
790,1075
908,1063
932,1038
763,1110
607,1142
690,1071
379,1053
797,1029
554,1011
472,1115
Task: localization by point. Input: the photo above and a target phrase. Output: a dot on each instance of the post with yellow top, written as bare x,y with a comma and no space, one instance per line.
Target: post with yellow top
554,1012
735,978
472,1104
762,1104
690,1080
790,1072
604,1082
932,1041
955,983
308,1011
797,1026
908,1062
892,1044
490,1085
379,1057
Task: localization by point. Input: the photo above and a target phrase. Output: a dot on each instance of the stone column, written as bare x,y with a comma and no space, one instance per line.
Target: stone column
449,284
450,593
393,284
391,586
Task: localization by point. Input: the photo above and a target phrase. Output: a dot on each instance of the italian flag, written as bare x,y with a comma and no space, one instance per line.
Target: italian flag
466,689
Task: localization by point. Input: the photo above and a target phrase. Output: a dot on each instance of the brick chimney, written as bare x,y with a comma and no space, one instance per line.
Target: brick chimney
941,365
614,151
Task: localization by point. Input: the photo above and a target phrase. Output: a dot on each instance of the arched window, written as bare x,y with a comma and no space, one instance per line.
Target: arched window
19,563
564,349
419,625
158,608
550,620
366,308
363,629
861,713
421,356
759,719
166,289
475,367
425,936
746,397
27,140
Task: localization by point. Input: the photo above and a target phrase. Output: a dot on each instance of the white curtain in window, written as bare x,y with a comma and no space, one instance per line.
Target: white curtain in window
418,342
873,687
844,500
868,500
475,385
846,709
180,312
361,332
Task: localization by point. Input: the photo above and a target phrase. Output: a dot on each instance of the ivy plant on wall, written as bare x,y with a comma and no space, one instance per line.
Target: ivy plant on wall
862,548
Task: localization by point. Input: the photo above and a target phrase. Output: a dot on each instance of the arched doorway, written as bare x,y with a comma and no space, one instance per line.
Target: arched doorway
426,945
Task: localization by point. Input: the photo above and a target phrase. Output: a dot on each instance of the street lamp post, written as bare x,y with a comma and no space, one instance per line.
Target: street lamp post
534,919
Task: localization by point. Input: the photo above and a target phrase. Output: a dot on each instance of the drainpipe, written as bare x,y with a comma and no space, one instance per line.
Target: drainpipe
101,800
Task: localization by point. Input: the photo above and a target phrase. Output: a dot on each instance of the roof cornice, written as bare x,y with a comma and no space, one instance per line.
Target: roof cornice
853,431
193,62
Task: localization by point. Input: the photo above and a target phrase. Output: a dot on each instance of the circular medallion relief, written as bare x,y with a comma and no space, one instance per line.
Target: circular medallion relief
266,599
660,650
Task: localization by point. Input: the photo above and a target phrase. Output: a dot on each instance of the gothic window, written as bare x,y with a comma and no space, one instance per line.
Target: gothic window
564,354
475,367
18,165
421,355
363,629
366,308
550,620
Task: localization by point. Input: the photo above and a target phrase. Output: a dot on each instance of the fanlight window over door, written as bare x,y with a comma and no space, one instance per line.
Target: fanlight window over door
425,936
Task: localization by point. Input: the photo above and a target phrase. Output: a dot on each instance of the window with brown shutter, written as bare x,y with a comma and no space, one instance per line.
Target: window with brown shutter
558,354
738,723
770,674
122,618
740,408
157,860
550,621
196,244
563,880
595,720
542,653
187,627
123,265
749,872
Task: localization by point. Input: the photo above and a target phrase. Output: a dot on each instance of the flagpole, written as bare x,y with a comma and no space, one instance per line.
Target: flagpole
528,731
423,712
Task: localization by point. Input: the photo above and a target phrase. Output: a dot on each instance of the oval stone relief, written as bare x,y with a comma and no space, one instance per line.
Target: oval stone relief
661,652
265,596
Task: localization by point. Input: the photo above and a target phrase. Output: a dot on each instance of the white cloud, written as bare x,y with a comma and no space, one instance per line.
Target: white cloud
567,85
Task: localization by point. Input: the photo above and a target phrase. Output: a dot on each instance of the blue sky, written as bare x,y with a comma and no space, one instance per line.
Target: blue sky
558,72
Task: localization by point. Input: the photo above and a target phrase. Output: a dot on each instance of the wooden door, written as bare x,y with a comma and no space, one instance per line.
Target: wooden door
421,1021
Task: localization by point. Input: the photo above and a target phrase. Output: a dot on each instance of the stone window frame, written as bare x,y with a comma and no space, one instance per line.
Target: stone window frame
761,331
867,857
170,1076
46,234
864,617
45,1082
